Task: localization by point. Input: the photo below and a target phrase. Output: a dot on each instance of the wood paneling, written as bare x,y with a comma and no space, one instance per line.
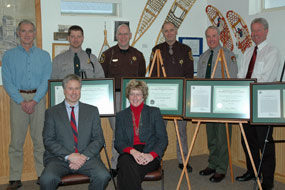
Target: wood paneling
38,23
239,156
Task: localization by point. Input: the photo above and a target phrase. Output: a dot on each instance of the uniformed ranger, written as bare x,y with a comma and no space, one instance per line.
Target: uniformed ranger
178,62
75,60
119,61
216,132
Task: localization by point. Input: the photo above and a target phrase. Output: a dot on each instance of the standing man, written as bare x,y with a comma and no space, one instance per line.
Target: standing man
119,61
216,132
73,138
178,62
26,70
75,60
262,62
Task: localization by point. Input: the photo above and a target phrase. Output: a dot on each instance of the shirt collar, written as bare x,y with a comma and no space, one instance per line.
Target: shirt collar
75,52
23,49
216,49
68,106
262,45
174,44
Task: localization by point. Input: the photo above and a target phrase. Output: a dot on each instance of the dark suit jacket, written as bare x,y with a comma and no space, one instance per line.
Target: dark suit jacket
152,131
58,137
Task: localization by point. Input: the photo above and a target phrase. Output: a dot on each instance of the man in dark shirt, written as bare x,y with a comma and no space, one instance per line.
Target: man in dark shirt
178,62
119,61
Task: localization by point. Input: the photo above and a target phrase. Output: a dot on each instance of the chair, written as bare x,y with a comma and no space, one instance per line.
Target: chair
156,175
74,179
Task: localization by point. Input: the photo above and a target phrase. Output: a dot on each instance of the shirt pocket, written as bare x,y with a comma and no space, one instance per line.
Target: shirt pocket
258,68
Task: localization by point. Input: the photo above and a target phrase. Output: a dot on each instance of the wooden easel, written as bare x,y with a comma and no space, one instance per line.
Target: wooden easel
157,57
222,59
226,122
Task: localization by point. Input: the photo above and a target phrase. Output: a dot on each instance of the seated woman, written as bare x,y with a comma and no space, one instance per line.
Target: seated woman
140,138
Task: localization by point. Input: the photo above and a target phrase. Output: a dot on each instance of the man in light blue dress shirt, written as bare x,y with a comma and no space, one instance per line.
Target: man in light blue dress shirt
25,73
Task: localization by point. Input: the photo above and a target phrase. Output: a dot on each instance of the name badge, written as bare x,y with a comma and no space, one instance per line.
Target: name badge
115,60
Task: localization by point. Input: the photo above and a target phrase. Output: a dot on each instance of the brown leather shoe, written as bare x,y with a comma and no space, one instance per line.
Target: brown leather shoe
207,171
14,185
217,177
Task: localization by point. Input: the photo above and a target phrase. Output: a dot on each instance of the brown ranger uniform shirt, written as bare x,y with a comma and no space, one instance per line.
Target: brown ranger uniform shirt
119,63
179,64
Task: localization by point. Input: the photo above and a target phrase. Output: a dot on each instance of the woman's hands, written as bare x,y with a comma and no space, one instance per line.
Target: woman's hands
141,158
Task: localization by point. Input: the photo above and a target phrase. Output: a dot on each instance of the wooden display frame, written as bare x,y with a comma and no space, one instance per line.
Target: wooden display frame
58,48
38,19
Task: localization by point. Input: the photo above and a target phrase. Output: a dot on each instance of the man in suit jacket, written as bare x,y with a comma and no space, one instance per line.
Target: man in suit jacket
73,139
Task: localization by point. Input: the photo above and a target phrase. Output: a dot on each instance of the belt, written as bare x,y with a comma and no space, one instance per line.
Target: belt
28,91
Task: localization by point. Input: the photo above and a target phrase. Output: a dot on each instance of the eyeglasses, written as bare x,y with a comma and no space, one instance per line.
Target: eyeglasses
123,34
135,94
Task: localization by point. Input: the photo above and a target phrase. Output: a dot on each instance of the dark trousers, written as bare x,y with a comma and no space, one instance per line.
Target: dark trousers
130,173
93,168
256,135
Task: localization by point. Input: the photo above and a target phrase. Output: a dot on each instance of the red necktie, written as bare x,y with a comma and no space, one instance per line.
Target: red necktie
251,63
74,129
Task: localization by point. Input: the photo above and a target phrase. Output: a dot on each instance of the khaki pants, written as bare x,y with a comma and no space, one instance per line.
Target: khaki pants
19,122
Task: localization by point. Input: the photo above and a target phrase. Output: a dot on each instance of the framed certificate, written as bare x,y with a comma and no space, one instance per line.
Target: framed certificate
58,48
96,92
268,103
218,99
164,93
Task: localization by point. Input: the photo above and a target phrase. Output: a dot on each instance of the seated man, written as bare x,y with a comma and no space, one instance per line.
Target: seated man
73,139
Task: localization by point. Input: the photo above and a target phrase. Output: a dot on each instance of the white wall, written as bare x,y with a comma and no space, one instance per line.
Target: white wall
131,11
194,24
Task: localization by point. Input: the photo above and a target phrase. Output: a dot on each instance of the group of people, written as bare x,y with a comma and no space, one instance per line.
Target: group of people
262,62
68,137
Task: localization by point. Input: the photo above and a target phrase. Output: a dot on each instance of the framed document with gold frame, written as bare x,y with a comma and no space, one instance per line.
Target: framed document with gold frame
96,92
58,48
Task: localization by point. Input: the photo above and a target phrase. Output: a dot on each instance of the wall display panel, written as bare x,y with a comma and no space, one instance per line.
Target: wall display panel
196,45
217,99
268,103
96,92
164,93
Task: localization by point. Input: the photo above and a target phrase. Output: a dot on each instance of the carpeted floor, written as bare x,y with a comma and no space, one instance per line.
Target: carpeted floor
172,174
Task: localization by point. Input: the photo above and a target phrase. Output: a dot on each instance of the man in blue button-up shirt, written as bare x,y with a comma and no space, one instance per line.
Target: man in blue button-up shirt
25,72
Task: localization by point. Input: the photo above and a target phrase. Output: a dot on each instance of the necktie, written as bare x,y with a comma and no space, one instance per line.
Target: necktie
170,50
74,129
209,66
76,64
251,63
171,54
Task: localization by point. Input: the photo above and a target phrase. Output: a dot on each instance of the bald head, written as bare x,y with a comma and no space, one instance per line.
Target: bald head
124,36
